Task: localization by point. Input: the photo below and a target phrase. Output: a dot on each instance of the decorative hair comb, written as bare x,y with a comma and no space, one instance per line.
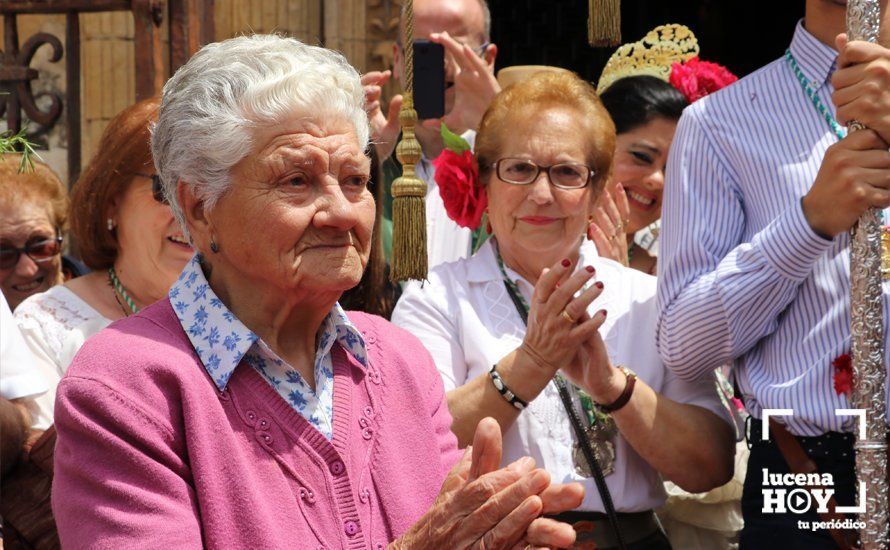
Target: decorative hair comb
653,55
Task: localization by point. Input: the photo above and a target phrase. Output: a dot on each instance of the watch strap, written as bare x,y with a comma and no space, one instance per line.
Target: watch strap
626,394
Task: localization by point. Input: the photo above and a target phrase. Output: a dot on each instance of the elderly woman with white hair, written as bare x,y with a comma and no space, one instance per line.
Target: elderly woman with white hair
248,410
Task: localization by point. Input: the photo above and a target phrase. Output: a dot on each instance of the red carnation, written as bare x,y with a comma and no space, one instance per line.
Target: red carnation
696,78
843,374
457,176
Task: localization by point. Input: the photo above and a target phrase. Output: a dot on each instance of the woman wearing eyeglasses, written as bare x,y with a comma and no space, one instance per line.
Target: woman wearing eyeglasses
520,330
33,217
125,233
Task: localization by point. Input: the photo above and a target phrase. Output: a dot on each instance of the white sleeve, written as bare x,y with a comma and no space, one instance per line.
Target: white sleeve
19,372
423,311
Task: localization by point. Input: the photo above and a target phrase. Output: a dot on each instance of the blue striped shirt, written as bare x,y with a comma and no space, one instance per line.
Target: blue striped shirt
742,276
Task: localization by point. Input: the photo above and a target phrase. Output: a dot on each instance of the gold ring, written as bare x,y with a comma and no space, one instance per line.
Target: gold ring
568,317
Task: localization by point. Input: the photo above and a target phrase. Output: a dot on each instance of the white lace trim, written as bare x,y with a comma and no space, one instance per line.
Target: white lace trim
50,317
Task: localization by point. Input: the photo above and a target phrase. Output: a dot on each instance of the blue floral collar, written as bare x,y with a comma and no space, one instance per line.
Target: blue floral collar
221,340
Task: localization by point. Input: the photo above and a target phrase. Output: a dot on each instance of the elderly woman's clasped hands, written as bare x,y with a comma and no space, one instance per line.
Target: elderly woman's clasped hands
484,506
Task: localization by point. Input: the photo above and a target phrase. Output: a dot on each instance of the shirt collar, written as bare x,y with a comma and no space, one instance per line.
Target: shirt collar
337,327
483,266
221,340
814,58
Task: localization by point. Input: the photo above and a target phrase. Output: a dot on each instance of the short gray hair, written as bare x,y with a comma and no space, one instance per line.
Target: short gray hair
212,104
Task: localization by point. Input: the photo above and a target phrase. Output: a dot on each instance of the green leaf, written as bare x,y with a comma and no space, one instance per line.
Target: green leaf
453,141
9,144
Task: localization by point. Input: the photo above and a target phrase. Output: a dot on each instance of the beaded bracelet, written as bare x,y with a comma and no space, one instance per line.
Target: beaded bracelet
505,392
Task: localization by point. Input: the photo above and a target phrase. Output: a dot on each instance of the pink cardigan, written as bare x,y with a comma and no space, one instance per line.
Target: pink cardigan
151,455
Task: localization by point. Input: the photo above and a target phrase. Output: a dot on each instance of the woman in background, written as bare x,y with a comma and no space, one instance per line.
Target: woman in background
125,233
33,221
645,86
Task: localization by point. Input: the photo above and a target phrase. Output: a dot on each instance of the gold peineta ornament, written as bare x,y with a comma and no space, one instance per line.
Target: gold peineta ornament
653,55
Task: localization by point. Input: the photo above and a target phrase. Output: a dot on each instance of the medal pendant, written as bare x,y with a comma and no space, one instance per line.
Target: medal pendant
600,439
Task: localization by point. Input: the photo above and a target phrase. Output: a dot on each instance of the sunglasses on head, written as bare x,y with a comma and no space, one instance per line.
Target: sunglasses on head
40,251
157,190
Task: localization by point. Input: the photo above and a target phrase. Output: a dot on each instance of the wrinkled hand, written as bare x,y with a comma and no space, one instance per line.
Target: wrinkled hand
610,218
384,129
593,372
854,176
481,506
474,86
862,85
552,339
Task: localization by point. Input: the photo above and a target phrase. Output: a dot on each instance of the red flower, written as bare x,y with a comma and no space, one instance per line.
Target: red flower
696,78
457,176
843,374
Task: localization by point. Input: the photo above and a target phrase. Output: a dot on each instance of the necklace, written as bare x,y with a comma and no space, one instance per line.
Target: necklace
593,452
119,290
810,91
600,429
841,133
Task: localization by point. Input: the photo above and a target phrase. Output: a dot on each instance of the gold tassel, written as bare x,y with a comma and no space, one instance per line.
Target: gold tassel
604,23
409,259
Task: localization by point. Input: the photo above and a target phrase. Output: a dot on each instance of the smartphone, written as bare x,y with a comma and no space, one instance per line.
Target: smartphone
429,79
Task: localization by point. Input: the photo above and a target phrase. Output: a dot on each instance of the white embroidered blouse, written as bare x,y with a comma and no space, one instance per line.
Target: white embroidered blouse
55,324
465,318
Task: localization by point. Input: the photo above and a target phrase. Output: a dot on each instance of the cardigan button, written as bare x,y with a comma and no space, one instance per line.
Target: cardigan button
337,467
371,340
351,528
369,412
367,433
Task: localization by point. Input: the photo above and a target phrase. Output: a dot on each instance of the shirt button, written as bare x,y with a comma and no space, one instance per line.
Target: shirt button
351,528
337,467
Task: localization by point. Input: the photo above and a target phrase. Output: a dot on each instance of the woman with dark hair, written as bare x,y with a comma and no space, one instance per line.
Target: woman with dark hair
645,110
645,87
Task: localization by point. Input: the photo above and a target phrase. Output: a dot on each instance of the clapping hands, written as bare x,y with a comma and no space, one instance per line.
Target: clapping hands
484,506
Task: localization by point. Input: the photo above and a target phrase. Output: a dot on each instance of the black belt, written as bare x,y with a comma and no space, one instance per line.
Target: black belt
827,445
594,527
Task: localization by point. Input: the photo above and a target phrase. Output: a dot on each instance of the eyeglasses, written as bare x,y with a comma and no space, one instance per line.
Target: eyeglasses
157,190
40,251
480,51
565,175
